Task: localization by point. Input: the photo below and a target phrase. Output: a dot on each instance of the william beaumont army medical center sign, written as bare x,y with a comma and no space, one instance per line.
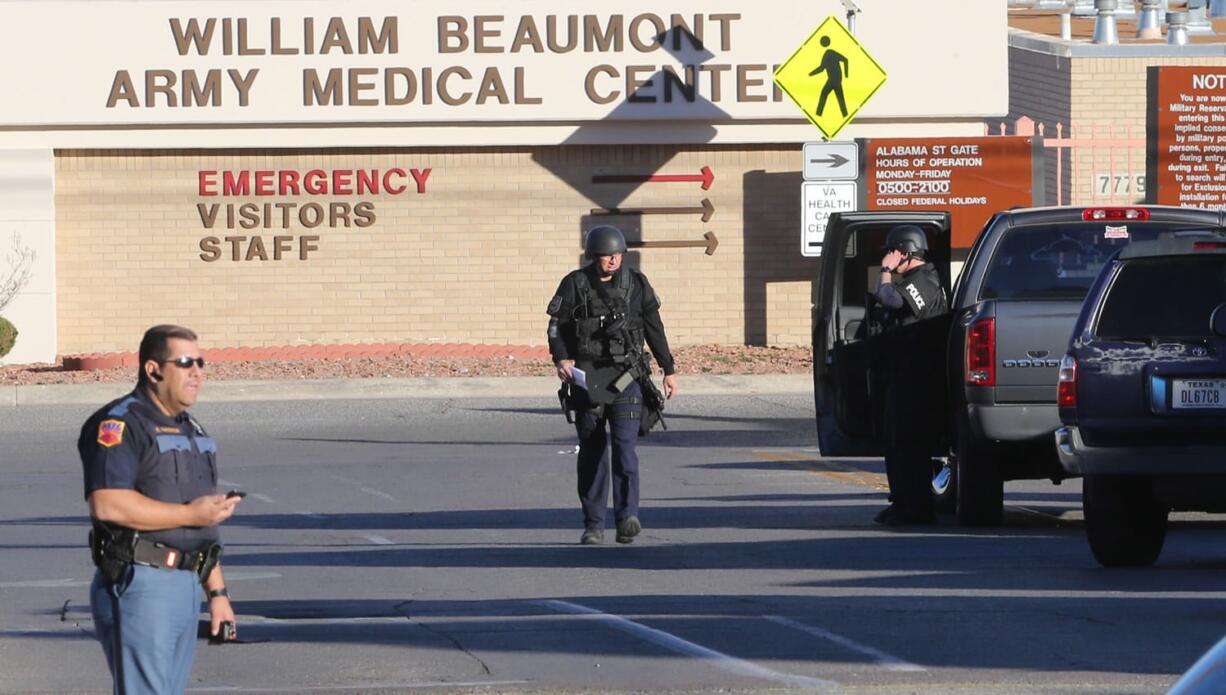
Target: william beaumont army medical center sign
539,63
353,172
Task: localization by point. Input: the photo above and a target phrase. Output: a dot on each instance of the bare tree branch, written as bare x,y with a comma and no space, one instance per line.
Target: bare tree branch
19,268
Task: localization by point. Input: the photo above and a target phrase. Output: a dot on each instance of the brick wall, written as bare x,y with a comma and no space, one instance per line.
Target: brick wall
473,259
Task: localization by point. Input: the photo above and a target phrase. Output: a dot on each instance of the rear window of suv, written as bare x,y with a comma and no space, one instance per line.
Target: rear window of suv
1169,297
1059,261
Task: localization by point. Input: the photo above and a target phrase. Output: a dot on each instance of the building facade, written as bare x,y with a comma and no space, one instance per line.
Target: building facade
285,173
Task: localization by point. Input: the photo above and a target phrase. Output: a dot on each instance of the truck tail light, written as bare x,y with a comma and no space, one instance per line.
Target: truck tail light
981,353
1066,386
1208,245
1114,214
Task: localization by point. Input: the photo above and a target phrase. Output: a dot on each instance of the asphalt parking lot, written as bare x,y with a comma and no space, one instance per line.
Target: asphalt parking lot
397,545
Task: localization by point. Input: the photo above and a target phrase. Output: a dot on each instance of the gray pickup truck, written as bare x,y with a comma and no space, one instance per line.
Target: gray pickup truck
991,363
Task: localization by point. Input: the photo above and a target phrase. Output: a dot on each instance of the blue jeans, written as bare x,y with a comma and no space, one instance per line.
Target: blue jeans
622,418
147,626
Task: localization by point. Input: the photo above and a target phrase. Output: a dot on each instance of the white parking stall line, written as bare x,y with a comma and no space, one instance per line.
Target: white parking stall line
231,485
59,583
684,647
378,493
369,687
45,583
67,630
367,490
886,661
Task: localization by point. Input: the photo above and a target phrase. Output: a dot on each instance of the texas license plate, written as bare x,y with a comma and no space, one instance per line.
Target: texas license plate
1198,393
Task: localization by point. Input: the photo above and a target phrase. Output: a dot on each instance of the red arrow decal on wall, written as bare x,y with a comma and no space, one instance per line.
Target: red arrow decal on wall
706,177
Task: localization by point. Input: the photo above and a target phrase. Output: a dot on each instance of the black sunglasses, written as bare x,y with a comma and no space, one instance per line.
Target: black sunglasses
186,362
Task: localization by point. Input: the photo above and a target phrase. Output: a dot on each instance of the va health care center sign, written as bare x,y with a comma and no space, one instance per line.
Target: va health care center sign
89,63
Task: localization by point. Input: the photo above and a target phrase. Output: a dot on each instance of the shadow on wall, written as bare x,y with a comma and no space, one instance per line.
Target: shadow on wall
772,218
664,109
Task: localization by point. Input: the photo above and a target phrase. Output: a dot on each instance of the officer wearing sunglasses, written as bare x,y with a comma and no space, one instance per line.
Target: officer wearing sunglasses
151,484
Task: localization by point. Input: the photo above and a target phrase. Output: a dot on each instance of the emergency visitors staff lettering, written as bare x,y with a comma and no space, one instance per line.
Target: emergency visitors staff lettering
288,214
313,182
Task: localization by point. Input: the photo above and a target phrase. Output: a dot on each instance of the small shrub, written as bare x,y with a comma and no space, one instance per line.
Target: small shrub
8,336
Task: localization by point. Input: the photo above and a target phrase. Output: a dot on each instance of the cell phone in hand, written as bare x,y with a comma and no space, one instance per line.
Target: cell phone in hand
236,493
225,633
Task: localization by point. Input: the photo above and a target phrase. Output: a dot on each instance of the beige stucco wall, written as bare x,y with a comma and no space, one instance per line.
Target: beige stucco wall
475,258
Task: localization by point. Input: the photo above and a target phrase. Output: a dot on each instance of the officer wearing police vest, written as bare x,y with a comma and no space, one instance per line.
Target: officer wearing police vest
150,481
909,290
599,318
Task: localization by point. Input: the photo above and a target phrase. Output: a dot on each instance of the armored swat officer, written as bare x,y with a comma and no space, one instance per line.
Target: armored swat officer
599,318
150,480
909,290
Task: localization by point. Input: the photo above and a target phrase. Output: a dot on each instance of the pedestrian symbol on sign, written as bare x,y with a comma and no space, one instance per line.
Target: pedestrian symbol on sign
834,64
821,68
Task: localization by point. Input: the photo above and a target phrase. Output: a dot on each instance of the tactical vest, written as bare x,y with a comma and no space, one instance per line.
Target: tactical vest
606,333
922,294
176,468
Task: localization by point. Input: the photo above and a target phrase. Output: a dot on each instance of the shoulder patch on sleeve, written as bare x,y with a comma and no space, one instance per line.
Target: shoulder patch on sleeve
110,432
555,305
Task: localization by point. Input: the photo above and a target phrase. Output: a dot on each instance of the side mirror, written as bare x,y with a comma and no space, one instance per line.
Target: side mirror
1217,320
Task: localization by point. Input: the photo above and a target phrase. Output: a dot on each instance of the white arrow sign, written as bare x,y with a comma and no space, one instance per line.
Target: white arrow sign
831,160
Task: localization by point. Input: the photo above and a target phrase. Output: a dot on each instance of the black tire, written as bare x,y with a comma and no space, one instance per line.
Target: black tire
1125,523
980,492
945,485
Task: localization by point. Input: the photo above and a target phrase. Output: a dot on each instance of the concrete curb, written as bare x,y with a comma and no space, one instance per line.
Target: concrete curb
425,387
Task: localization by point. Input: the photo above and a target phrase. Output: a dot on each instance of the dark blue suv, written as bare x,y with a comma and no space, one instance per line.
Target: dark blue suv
1142,393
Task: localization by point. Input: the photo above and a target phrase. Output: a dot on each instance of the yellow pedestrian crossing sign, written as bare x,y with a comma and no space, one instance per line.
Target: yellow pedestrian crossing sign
830,77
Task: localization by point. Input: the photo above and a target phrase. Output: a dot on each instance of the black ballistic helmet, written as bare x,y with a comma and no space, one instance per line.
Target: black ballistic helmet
604,240
907,238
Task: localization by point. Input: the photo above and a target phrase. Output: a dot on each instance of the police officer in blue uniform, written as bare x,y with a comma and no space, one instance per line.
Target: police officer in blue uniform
150,481
909,290
599,318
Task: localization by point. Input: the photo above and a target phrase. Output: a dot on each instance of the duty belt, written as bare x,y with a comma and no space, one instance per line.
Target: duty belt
114,549
156,554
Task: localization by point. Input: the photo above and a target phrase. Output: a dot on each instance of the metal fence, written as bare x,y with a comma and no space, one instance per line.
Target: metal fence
1087,164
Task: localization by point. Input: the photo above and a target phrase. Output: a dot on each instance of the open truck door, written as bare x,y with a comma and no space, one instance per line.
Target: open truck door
848,391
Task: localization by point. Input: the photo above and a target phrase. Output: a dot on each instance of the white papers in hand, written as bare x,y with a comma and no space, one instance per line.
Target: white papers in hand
580,377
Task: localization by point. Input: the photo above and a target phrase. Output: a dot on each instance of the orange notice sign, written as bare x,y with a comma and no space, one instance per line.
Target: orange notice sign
971,178
1187,134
